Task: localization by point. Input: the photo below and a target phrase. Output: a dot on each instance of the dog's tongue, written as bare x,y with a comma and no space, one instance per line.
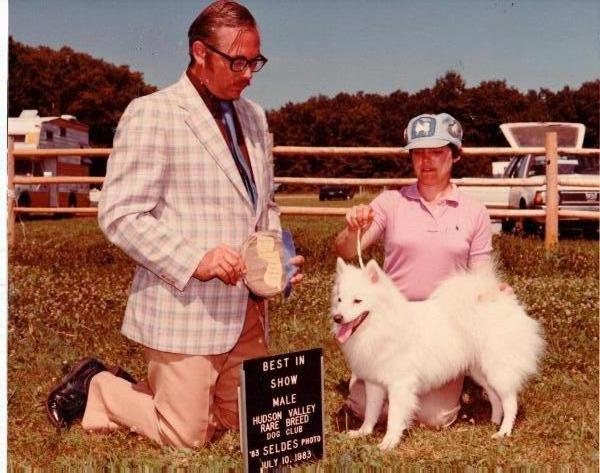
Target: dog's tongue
345,331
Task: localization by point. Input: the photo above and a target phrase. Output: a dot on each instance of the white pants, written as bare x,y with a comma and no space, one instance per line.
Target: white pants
437,408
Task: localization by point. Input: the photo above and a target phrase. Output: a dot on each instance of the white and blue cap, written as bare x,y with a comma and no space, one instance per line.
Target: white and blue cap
433,131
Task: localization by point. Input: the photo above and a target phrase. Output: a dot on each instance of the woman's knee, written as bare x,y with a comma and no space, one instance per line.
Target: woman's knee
357,400
439,418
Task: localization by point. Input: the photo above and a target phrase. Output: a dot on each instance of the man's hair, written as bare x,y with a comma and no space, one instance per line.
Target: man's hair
222,13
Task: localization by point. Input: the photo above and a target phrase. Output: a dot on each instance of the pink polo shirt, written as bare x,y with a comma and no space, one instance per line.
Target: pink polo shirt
421,248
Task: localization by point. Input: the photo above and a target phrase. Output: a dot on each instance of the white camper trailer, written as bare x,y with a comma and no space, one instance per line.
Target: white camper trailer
30,131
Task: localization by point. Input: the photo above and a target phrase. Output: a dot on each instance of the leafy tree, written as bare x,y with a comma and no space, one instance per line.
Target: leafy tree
378,120
580,106
68,82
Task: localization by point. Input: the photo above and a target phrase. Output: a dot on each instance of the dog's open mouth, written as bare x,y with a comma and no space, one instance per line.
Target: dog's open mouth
346,330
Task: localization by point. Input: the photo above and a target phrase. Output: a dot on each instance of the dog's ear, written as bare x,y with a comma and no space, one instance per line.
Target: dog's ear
373,270
341,265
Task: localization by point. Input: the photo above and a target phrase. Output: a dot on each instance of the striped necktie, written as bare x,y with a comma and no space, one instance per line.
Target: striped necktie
236,152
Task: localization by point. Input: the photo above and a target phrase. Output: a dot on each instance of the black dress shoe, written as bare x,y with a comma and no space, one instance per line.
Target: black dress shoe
66,403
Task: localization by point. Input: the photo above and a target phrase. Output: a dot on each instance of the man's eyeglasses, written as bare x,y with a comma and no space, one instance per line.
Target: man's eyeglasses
240,63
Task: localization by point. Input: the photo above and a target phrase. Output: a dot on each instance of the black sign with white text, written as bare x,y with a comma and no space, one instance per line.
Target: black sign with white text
281,410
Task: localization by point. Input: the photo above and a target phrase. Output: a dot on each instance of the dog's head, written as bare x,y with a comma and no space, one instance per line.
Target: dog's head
354,297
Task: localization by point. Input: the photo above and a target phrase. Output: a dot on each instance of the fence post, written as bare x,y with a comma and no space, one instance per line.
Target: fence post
11,196
551,240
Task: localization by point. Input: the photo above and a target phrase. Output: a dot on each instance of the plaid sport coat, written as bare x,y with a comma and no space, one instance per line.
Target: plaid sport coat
172,192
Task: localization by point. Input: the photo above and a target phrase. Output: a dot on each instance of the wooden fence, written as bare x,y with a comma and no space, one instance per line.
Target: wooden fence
551,213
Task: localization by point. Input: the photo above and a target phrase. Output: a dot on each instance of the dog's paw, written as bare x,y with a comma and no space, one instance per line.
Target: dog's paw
359,432
501,434
389,442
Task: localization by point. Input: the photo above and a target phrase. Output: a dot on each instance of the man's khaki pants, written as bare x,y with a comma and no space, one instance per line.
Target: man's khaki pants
185,398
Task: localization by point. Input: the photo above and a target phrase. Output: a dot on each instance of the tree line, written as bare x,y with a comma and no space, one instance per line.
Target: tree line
379,120
64,81
72,83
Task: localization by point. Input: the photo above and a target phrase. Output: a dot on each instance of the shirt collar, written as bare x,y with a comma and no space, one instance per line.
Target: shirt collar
211,102
412,192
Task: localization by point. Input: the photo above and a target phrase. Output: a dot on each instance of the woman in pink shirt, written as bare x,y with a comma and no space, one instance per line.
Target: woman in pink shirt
430,230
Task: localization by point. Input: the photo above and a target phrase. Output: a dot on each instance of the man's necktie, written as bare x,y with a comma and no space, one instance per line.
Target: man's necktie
238,156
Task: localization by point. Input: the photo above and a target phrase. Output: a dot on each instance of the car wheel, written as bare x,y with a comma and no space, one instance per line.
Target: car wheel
531,227
71,203
527,225
508,225
24,200
590,231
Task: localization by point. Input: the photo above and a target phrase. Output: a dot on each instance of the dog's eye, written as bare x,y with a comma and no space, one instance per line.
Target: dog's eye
339,299
357,301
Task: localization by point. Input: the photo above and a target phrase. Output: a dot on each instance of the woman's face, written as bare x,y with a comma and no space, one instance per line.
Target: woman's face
432,166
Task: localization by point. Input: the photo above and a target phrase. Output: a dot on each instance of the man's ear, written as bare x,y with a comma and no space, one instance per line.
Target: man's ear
198,51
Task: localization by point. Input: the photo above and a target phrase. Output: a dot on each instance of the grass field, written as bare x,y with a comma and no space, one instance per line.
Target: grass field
67,294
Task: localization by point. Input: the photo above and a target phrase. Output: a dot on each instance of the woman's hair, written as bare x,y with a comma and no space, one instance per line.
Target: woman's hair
455,151
222,13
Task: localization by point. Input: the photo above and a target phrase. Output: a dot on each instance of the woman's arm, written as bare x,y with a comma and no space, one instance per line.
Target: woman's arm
358,217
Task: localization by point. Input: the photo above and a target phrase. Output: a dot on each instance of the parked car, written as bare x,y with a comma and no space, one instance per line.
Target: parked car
533,168
336,192
528,167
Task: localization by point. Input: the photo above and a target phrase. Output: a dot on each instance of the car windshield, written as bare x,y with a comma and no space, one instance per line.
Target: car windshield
567,165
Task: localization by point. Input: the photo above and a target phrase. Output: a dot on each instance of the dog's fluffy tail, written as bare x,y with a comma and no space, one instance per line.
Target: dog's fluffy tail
480,284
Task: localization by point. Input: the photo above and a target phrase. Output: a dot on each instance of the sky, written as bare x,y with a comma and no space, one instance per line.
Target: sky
331,46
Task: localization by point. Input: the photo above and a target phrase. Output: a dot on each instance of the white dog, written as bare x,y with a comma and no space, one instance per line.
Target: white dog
402,349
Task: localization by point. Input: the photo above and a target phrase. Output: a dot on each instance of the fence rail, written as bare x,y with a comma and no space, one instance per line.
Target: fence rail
333,151
463,182
551,180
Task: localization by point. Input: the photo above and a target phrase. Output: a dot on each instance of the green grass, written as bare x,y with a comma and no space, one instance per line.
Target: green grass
312,200
67,294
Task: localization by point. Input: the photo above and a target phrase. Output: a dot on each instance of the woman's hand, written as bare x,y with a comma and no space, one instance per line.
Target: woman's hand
297,261
359,217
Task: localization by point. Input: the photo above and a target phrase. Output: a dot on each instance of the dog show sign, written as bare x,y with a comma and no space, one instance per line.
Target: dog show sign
281,410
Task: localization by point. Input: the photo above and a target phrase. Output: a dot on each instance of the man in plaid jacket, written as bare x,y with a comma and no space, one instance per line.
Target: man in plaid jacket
184,188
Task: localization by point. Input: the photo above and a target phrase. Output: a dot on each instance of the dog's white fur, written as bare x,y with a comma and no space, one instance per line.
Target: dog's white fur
402,349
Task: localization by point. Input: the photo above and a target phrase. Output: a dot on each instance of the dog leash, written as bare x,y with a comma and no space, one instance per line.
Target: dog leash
358,250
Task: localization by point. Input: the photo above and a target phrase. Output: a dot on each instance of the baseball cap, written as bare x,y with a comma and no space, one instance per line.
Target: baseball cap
433,131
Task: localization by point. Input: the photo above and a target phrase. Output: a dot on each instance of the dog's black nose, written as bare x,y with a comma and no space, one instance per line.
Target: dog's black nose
337,318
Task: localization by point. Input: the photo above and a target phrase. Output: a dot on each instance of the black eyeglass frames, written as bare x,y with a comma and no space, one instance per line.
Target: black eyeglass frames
240,63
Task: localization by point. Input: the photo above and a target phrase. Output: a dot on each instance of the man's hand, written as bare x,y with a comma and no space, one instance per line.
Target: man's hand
222,262
359,216
298,261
